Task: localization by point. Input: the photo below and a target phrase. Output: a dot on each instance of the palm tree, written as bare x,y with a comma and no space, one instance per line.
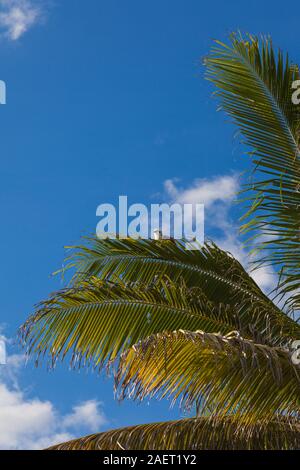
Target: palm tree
193,326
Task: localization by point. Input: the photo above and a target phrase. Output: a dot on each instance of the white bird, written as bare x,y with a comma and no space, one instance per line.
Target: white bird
157,234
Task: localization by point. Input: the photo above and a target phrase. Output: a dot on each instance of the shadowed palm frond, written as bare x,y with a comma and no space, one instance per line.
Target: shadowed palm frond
194,434
143,260
254,85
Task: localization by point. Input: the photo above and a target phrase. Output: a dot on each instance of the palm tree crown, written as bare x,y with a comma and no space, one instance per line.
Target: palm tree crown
193,326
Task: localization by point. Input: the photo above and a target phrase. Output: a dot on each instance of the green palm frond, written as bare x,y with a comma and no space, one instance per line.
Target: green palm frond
194,434
142,260
99,320
126,326
254,85
215,272
221,374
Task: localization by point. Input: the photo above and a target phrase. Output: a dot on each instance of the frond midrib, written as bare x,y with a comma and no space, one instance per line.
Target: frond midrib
275,105
180,264
115,302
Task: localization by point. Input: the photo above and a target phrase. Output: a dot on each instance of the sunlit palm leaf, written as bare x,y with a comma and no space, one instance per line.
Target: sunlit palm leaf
221,374
193,434
254,85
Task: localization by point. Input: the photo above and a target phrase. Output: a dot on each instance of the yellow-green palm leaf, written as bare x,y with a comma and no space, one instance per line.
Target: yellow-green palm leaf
221,374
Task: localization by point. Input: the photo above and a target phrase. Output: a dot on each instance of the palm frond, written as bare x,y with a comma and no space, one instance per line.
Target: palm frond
254,85
194,434
215,272
99,320
143,260
220,374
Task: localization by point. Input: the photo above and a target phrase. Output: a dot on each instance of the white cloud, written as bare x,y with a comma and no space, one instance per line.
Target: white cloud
18,16
31,423
222,189
86,414
218,195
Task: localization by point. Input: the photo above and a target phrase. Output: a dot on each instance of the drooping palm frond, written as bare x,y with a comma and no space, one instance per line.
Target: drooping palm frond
99,320
214,271
194,434
254,85
221,374
103,323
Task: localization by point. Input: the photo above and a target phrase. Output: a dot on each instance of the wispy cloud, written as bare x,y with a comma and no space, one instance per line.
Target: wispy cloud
218,195
32,423
18,16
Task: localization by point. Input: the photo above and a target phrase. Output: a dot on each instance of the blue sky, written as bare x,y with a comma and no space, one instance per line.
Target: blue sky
106,97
